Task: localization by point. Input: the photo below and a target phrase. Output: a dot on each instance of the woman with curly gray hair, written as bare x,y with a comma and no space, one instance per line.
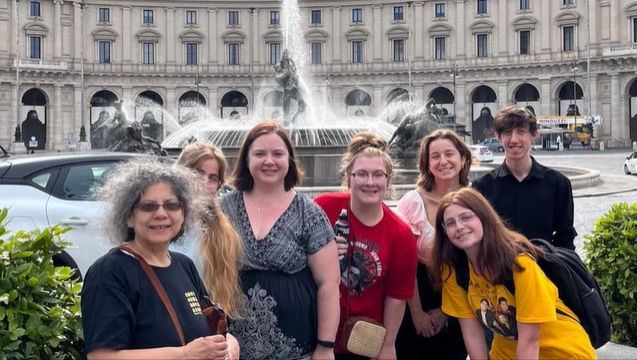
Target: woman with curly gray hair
148,205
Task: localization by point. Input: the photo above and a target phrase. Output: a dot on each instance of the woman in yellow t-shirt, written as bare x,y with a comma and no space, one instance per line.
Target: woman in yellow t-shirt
526,324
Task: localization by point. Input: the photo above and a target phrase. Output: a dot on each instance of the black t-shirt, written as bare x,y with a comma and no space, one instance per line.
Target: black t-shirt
122,310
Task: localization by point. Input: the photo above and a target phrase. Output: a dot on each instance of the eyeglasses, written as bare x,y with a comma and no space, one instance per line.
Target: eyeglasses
363,176
463,218
151,207
212,178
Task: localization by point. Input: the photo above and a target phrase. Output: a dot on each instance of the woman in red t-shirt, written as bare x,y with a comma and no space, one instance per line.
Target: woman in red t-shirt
382,253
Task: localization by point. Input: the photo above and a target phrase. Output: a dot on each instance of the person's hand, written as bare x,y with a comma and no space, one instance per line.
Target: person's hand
322,352
386,353
341,246
209,347
234,350
423,323
439,318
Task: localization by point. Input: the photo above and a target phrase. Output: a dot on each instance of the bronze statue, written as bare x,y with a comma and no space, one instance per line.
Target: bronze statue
288,77
98,130
414,127
151,127
137,142
32,127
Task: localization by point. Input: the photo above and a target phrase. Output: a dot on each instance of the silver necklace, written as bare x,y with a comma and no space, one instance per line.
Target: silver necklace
259,207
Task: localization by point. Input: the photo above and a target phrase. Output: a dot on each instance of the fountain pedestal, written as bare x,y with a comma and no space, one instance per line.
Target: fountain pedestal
18,147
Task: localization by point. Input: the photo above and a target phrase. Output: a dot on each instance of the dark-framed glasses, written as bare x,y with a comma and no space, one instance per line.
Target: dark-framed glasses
362,176
464,218
151,206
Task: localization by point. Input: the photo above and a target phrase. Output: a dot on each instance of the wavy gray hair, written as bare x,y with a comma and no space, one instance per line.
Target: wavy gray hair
125,185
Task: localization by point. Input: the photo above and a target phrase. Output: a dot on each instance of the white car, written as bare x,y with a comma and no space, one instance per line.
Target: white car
481,153
46,190
630,165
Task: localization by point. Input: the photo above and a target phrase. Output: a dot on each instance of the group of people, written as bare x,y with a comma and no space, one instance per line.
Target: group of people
269,257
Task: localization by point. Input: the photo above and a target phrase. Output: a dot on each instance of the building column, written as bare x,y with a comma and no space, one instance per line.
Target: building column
545,97
501,45
77,28
545,31
256,44
462,107
341,110
419,31
55,124
77,111
377,32
616,127
129,105
171,50
336,29
419,93
126,35
214,55
459,32
377,99
6,41
212,101
503,96
57,28
616,9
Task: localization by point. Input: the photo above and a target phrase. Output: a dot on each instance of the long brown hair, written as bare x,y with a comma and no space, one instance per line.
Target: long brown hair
366,144
194,154
242,179
221,256
499,248
426,179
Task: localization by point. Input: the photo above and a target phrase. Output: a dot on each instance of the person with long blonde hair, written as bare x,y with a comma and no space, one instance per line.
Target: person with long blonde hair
444,161
471,239
380,253
218,251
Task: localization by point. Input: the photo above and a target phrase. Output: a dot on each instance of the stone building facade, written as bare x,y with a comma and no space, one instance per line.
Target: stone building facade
470,55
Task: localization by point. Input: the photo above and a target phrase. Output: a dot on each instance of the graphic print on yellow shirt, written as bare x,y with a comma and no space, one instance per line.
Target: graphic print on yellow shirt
535,301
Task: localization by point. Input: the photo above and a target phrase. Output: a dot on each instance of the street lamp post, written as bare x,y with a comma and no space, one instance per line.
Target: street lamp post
574,70
82,105
18,132
453,68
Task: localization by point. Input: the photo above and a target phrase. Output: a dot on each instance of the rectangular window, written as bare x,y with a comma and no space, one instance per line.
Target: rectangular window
275,17
482,6
275,53
233,54
191,53
34,8
316,16
357,15
440,10
148,53
35,47
569,38
439,47
105,15
399,50
233,18
635,30
525,4
104,48
525,42
567,2
315,49
191,17
149,17
482,50
398,13
357,51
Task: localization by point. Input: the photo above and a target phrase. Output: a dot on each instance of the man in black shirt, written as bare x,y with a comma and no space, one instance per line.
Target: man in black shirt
532,199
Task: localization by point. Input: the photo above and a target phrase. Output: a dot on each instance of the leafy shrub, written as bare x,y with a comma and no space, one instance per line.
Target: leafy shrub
39,304
612,258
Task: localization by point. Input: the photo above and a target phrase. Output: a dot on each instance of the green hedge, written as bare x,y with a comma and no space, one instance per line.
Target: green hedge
611,250
39,303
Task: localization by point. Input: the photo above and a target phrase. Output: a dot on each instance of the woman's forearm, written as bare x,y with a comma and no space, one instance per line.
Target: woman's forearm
392,318
329,311
164,353
414,303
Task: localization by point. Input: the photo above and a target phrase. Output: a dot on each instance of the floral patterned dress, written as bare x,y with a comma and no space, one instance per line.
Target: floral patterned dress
280,291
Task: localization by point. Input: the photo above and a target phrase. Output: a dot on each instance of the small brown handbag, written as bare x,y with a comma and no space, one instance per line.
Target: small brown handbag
361,335
214,314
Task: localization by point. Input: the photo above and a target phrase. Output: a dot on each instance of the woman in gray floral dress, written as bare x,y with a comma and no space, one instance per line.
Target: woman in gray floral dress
290,274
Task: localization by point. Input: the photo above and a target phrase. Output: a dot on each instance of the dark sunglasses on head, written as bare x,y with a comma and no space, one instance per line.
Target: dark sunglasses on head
149,206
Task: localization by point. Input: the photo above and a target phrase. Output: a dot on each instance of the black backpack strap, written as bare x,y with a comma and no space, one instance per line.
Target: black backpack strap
462,270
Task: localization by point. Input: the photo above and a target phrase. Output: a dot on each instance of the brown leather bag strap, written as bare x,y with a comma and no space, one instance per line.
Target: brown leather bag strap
160,291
